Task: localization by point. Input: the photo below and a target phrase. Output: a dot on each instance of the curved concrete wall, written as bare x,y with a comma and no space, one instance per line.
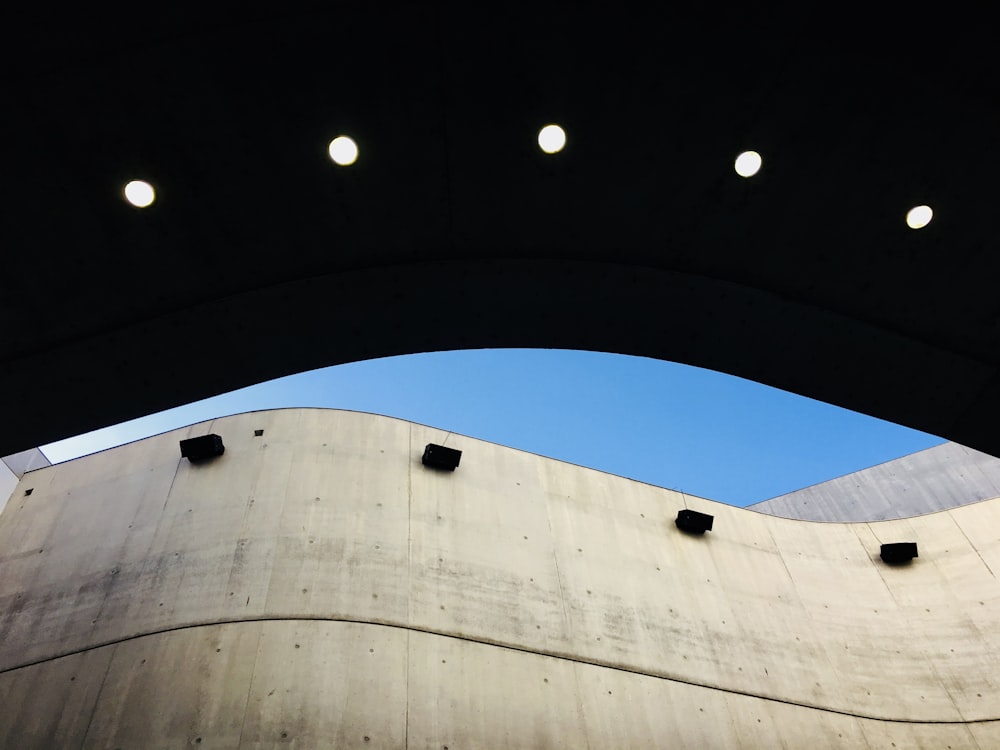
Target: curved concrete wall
316,586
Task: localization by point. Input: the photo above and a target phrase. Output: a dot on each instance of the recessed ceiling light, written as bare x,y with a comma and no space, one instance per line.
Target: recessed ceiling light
343,150
139,193
551,139
748,164
919,217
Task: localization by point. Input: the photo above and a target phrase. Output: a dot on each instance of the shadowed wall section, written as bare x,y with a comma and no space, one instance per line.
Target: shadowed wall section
938,478
317,586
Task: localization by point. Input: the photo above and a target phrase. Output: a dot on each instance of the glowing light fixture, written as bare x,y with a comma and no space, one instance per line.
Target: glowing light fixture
343,150
551,139
919,217
748,164
139,193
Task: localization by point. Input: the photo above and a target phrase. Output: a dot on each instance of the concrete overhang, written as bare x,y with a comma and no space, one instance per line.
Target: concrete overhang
453,230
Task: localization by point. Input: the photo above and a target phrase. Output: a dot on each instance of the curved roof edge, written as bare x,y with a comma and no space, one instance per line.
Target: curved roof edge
927,481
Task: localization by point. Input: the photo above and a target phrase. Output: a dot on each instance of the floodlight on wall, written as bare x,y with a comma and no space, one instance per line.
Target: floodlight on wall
898,553
694,522
202,447
439,457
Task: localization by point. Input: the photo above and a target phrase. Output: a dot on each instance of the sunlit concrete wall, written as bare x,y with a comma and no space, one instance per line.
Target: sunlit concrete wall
318,587
938,478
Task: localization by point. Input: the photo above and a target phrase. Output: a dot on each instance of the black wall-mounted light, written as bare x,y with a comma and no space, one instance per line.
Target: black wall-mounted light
694,522
898,553
439,457
202,447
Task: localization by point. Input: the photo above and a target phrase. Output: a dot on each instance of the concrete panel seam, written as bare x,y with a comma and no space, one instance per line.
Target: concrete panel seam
246,706
971,545
409,578
97,698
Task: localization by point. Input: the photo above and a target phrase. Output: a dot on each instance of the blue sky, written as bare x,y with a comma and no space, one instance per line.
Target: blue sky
667,424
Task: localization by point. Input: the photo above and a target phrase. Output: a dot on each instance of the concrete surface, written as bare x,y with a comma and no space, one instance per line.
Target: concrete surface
316,586
261,258
13,467
25,461
937,478
8,482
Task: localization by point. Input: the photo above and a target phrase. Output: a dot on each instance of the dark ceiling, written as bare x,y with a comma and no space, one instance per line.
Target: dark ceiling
453,230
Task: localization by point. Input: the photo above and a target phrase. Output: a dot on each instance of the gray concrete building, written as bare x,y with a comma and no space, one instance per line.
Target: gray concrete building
937,478
317,586
145,598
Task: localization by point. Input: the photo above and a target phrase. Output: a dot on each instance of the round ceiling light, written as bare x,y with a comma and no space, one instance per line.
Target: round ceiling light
551,139
343,150
748,164
139,193
919,217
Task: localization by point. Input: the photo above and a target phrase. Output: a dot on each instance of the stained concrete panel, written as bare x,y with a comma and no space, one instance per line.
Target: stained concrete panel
528,562
175,689
328,684
315,684
50,704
